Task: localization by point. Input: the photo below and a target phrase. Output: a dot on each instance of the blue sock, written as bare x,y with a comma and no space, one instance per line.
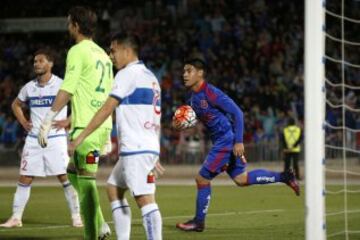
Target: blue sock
202,201
263,176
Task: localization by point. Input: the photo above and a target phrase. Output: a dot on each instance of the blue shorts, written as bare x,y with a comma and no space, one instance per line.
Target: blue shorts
221,158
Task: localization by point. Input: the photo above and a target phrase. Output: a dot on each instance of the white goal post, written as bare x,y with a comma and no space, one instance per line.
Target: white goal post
314,119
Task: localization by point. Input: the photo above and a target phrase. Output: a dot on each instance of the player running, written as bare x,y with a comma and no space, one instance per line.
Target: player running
136,97
224,121
88,81
36,161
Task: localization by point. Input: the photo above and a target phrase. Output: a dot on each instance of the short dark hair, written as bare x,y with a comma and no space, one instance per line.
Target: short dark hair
291,121
85,18
49,54
197,61
130,40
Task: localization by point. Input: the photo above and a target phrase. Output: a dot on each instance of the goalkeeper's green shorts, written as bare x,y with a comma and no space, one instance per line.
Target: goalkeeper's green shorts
87,154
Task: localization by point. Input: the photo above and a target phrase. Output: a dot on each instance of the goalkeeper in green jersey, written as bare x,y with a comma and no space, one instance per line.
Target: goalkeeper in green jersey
87,83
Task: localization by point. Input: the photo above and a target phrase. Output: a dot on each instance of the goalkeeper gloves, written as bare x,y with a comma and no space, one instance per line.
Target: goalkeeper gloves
45,128
107,148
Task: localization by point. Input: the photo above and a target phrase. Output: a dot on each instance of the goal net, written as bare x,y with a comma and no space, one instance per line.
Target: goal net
332,100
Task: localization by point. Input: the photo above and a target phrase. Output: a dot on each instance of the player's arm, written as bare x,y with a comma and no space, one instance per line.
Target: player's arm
16,107
60,124
226,104
61,100
104,112
74,65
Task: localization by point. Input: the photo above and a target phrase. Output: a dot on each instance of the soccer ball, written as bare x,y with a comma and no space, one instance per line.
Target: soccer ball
185,116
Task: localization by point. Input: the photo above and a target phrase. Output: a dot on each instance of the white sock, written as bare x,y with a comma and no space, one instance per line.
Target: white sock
152,221
71,198
21,198
122,218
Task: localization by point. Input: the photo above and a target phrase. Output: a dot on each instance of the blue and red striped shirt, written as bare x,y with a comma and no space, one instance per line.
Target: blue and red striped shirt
218,112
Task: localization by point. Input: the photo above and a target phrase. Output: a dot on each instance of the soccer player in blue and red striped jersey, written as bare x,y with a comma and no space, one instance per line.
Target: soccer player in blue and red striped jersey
224,121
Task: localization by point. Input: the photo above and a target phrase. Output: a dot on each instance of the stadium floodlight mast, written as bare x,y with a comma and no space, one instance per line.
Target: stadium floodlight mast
314,119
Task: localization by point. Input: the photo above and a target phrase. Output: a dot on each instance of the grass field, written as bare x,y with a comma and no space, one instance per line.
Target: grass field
252,213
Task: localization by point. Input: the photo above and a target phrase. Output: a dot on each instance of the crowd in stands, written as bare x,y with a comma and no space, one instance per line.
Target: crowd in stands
253,48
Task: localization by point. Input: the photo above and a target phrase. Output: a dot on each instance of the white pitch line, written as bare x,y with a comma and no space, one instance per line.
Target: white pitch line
140,220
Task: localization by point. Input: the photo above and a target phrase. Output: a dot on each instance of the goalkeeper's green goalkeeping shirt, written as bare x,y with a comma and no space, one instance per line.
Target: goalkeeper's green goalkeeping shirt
88,78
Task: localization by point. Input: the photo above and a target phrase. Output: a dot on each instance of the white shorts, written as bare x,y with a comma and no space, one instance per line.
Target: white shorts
134,172
49,161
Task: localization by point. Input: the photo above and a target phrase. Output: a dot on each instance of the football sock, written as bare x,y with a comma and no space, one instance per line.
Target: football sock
263,176
152,221
71,198
89,204
21,197
202,201
122,219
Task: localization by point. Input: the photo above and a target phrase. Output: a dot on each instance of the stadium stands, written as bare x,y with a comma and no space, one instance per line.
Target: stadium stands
254,50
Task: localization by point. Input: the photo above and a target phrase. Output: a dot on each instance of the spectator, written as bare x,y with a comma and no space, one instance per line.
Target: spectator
8,136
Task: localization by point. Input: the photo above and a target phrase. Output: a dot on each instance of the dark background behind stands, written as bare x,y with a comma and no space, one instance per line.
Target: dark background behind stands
254,50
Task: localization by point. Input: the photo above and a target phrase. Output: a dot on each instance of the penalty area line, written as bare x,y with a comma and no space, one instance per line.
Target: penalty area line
136,220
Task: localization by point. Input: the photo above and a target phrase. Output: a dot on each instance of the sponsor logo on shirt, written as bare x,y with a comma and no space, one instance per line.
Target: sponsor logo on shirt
149,125
96,103
45,101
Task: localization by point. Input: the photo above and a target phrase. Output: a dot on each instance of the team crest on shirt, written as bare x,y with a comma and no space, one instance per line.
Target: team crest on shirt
92,157
204,104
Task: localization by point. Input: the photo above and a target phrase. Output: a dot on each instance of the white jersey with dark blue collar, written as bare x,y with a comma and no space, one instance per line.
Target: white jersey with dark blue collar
40,99
138,115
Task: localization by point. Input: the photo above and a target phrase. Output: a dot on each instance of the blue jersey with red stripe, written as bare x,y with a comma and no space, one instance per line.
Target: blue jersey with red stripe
218,112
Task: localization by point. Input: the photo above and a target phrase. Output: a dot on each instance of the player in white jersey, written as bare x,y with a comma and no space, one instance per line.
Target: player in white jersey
39,94
136,97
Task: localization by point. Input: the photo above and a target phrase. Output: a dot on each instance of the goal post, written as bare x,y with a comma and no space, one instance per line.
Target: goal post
314,119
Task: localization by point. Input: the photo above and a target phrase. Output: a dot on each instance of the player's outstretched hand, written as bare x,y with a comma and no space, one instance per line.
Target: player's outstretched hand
45,128
27,126
58,125
158,169
71,149
74,144
176,125
239,149
43,134
107,148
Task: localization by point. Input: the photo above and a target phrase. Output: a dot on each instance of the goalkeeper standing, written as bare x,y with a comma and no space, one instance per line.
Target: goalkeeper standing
87,83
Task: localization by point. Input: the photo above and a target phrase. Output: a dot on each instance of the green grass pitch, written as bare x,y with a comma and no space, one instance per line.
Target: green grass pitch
250,213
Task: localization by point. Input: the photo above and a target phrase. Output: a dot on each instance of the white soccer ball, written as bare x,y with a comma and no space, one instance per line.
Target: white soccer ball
185,116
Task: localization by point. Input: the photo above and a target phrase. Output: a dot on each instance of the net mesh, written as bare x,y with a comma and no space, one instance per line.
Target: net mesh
342,123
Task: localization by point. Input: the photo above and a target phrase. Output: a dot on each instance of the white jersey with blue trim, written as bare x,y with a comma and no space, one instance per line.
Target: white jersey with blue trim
139,112
40,99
